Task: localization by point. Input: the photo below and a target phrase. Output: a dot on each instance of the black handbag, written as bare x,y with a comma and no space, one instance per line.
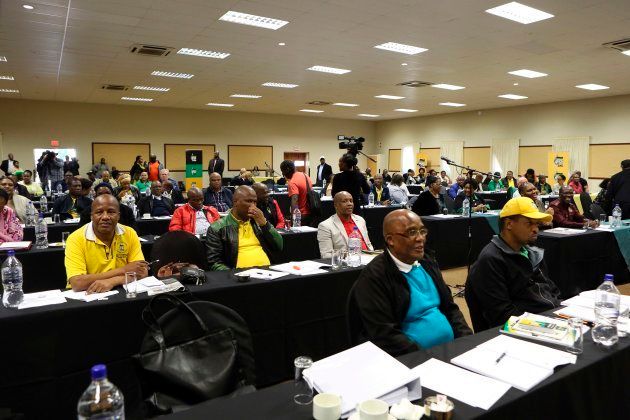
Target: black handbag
314,201
183,361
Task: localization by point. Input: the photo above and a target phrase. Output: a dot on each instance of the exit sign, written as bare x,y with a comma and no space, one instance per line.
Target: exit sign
54,143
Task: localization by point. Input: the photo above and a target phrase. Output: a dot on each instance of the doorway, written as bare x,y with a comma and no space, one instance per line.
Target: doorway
300,159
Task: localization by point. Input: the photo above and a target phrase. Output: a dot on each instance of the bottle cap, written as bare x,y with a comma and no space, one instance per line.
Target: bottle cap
609,277
99,372
11,253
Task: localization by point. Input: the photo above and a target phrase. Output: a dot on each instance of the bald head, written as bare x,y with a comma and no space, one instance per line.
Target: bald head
262,192
405,235
397,218
344,205
244,198
105,199
195,198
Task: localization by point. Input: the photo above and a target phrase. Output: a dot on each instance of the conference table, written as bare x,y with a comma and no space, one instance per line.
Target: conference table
44,269
47,351
596,387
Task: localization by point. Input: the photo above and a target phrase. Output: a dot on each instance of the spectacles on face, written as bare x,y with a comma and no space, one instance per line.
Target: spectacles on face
413,233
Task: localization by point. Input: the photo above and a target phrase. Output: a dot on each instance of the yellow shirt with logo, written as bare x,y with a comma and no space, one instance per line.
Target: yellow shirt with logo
250,253
86,254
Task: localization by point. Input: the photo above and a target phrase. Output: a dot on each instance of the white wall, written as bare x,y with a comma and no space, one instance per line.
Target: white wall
26,124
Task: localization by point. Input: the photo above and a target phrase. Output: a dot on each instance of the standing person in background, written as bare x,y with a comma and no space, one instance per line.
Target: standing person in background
7,165
33,187
217,195
71,165
143,184
100,167
618,191
137,168
324,171
65,164
50,168
351,180
216,164
154,167
298,184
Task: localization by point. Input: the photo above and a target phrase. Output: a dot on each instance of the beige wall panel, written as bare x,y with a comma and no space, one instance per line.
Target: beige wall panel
249,156
533,157
120,155
434,158
477,158
393,160
605,159
175,155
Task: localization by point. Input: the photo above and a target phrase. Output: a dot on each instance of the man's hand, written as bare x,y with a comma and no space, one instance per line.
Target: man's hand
141,268
100,286
549,211
258,216
592,223
386,203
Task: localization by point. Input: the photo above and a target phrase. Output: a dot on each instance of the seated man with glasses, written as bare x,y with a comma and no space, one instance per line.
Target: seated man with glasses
402,301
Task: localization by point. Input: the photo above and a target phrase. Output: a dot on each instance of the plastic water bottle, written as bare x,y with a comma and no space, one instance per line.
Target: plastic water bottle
297,217
30,214
102,399
41,233
607,301
371,199
354,248
12,280
59,190
616,217
43,203
324,186
497,186
466,207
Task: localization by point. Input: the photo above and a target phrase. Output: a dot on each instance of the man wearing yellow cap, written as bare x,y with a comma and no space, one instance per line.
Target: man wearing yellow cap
510,277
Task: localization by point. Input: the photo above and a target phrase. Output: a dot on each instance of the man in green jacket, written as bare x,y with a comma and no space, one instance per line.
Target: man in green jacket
243,238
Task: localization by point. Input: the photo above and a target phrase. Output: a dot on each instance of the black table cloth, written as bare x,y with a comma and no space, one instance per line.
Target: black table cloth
414,189
579,262
47,352
143,227
594,388
44,269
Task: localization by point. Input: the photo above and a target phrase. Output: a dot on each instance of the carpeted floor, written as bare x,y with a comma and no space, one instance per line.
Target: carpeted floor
457,276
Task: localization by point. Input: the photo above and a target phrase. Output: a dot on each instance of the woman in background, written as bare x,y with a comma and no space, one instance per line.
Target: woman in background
138,167
10,228
398,192
351,180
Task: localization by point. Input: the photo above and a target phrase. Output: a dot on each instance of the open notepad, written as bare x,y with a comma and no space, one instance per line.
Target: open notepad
523,364
361,373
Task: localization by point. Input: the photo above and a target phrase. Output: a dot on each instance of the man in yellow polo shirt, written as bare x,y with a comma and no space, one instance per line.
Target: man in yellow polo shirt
100,253
243,238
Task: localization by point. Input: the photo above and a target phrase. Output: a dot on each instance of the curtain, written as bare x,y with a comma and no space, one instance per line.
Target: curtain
454,150
408,159
578,148
505,156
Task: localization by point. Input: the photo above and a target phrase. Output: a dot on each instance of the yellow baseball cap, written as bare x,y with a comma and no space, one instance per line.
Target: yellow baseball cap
524,206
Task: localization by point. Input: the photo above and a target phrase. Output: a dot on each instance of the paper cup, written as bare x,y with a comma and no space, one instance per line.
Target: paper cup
373,410
326,406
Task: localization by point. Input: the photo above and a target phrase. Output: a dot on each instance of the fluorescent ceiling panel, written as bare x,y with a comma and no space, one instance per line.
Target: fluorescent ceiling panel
400,48
332,70
280,85
512,96
240,95
152,88
172,74
530,74
389,97
345,104
454,104
447,86
519,13
315,111
253,20
128,98
203,53
592,86
221,105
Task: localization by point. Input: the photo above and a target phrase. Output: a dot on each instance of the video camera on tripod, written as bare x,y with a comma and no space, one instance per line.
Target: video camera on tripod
352,144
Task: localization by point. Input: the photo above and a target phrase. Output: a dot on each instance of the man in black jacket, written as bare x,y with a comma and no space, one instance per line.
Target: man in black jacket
156,204
216,164
400,301
510,277
618,191
324,171
71,205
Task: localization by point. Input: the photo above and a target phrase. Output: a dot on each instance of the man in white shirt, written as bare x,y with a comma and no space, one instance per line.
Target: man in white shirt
332,233
324,171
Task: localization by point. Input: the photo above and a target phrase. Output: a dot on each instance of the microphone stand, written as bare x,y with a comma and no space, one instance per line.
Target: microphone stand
273,176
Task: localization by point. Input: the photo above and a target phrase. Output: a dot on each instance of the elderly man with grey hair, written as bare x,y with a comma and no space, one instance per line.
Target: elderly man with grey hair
164,176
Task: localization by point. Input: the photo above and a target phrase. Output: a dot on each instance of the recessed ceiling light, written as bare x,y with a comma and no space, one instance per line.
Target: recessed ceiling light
519,13
315,111
222,105
239,95
282,44
389,97
151,88
3,58
455,104
369,115
7,78
447,87
400,48
512,96
325,69
344,104
626,52
592,86
28,7
127,98
172,74
9,91
253,20
530,74
203,53
280,85
403,64
405,110
515,84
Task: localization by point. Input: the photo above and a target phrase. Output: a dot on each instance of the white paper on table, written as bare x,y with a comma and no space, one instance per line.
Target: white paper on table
524,365
71,294
605,228
15,245
146,284
447,216
592,294
45,298
367,258
468,387
303,229
360,373
162,217
257,273
565,231
300,268
75,220
326,198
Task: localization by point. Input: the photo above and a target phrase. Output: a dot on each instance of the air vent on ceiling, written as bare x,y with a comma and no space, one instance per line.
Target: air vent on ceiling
319,103
114,87
152,50
415,84
621,45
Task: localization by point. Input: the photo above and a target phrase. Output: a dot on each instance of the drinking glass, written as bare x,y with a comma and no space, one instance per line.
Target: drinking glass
131,285
56,219
623,322
336,260
303,392
575,332
287,224
64,238
603,218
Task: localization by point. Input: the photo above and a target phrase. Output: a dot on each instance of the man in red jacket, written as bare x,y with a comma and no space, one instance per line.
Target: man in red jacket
194,217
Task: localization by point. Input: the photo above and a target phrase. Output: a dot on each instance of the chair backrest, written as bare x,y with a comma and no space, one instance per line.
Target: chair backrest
354,323
178,246
596,210
476,315
587,202
449,203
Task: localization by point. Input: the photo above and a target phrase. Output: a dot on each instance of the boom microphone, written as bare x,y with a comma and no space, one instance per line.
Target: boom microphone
445,159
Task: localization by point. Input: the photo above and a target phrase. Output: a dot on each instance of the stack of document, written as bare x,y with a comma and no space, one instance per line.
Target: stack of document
258,273
361,373
71,294
303,229
19,245
583,306
516,362
300,268
565,231
45,298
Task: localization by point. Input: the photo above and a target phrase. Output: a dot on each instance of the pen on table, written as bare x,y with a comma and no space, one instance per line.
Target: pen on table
499,358
153,262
